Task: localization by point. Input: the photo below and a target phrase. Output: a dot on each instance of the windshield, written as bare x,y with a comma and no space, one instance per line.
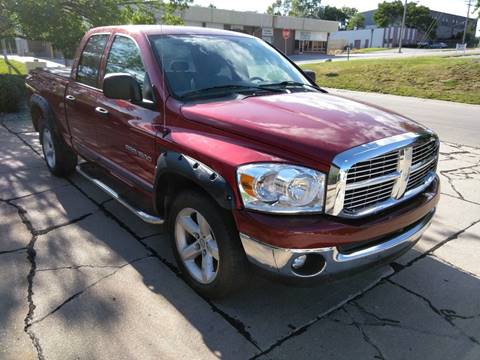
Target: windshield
193,63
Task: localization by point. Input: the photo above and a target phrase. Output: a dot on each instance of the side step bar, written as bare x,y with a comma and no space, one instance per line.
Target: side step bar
148,218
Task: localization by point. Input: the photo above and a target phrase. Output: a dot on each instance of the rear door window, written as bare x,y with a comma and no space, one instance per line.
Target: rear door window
87,71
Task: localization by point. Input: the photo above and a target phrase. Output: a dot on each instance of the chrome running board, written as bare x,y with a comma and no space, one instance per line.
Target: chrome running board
148,218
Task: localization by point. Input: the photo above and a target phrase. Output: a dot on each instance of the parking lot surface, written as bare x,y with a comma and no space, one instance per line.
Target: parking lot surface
82,278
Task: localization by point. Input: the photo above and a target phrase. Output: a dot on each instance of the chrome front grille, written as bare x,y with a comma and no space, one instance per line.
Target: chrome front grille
424,151
379,166
356,199
375,176
424,162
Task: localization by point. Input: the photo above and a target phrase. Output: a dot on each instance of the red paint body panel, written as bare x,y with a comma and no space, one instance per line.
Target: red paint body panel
313,125
308,129
302,232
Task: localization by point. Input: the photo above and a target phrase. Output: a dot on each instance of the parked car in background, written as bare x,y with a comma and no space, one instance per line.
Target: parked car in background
238,152
431,45
423,44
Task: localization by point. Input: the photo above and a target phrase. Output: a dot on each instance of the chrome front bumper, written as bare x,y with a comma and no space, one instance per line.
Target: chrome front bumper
279,260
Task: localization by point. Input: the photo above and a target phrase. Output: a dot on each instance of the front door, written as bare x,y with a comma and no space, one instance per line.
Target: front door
127,136
81,98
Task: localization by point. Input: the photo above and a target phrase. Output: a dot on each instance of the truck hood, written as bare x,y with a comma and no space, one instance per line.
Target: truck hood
315,125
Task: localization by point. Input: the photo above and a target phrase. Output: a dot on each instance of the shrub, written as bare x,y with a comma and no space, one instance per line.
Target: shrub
12,92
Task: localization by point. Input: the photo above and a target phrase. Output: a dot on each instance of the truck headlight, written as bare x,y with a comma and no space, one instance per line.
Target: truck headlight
281,188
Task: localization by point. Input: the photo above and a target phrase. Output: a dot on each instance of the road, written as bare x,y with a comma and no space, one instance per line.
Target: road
454,122
383,54
82,278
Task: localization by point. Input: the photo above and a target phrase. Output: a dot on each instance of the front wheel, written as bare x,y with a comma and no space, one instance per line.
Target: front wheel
206,245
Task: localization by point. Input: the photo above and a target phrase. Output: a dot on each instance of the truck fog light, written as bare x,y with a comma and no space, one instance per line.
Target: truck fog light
299,261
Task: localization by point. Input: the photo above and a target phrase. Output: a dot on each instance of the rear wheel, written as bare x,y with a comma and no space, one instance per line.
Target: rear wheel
60,159
206,245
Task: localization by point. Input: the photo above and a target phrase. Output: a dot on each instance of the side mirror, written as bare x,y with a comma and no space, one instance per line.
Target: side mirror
310,74
122,86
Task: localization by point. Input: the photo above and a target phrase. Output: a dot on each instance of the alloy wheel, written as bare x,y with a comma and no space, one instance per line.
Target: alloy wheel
48,148
196,245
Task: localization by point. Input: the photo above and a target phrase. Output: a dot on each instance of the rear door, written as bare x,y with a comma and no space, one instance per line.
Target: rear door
127,136
82,95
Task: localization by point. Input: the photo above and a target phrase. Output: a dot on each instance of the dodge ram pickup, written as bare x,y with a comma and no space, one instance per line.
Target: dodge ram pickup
247,162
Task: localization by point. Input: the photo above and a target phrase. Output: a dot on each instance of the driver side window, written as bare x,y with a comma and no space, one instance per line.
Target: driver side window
124,57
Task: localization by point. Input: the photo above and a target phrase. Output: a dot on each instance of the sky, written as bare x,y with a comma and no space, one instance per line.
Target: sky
458,7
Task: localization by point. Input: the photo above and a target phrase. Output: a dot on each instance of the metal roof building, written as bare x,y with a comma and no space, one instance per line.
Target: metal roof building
305,35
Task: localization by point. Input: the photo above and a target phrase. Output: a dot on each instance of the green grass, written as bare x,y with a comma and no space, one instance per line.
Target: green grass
443,78
18,67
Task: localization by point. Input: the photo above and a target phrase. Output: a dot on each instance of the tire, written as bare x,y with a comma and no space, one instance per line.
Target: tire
60,159
193,241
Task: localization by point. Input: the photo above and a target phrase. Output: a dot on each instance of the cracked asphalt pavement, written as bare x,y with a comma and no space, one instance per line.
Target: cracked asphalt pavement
82,278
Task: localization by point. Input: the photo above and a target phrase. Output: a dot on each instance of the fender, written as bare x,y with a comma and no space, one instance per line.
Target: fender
174,163
39,102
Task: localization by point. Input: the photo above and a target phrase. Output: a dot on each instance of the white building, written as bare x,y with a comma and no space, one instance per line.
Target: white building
379,37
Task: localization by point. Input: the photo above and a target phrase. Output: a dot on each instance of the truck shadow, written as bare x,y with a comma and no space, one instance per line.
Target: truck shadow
264,313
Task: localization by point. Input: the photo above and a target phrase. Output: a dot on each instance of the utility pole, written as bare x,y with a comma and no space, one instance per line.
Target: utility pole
466,22
402,29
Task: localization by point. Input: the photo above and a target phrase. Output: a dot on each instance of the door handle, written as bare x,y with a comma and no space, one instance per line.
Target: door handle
101,110
70,97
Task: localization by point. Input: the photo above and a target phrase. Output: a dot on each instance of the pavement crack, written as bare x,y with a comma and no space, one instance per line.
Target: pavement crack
70,222
455,266
434,248
31,257
456,197
367,339
452,185
32,194
385,321
75,267
439,312
300,330
21,139
12,251
77,294
452,314
238,325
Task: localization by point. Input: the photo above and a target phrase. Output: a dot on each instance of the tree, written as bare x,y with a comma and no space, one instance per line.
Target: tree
280,7
333,13
356,22
300,8
305,8
7,22
63,22
391,13
388,13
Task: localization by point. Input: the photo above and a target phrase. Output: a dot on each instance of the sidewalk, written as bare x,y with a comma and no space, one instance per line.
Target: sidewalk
81,277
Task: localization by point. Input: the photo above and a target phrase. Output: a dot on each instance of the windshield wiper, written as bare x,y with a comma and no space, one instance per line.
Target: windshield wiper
232,87
285,84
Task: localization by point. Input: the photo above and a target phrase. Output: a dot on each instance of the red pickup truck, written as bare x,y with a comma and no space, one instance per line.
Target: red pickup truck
239,152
